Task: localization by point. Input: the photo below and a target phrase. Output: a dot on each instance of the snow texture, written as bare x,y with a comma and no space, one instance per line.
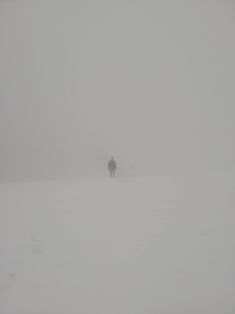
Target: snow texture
159,245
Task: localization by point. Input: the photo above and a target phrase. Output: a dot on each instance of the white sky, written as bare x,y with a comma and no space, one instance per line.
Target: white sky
150,82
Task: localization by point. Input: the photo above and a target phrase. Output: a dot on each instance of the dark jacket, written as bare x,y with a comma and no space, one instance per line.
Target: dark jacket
112,165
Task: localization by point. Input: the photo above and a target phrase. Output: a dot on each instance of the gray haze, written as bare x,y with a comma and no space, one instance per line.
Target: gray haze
150,82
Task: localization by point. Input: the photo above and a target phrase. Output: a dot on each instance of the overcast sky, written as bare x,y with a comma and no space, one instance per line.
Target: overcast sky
150,82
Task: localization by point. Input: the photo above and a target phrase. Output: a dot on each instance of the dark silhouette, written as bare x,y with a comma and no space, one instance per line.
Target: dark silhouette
112,167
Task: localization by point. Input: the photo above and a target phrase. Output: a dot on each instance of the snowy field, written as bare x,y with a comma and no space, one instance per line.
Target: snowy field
157,245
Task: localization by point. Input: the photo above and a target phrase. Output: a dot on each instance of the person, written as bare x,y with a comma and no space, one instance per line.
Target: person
112,167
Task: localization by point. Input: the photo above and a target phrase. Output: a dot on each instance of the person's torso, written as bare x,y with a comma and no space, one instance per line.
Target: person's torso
112,164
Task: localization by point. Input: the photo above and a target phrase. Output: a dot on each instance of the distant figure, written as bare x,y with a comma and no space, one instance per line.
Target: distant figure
112,167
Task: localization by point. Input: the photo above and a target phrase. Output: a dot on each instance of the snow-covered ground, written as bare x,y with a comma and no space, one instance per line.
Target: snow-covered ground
150,245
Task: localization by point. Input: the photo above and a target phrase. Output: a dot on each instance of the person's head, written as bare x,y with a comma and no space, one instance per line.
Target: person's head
112,158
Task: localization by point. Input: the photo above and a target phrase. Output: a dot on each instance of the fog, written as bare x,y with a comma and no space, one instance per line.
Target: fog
149,82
